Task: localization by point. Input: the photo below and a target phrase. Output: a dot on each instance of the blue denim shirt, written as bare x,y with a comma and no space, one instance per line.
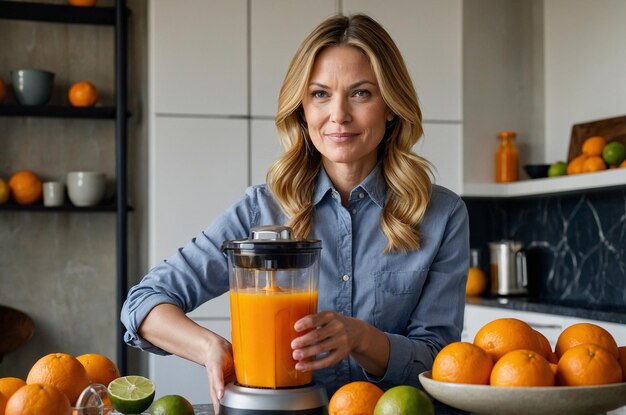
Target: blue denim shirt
417,299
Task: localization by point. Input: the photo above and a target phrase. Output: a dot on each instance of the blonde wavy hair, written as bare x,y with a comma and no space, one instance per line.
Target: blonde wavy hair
292,177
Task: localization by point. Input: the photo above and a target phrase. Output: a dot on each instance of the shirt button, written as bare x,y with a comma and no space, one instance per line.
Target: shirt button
345,277
361,195
354,211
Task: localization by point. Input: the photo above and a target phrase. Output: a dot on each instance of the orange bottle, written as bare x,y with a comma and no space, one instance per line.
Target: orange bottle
507,158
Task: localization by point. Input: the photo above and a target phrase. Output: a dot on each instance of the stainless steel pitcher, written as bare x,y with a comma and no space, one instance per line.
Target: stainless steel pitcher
508,268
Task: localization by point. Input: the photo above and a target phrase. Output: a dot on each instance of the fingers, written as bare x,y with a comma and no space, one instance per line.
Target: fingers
216,382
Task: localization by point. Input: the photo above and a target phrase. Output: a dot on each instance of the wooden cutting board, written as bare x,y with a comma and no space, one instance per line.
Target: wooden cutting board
612,129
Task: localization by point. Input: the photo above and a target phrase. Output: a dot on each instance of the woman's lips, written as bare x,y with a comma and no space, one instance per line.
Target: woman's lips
340,137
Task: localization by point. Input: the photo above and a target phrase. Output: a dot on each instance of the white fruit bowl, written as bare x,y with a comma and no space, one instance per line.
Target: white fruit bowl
555,400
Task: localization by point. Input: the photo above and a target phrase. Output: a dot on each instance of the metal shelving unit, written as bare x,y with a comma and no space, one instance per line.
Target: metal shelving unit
117,17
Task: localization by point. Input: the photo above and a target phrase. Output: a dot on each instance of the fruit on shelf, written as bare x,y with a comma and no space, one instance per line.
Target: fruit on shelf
83,94
26,187
614,153
3,90
557,169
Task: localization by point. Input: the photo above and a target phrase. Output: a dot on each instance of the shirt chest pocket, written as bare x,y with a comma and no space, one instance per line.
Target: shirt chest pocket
396,295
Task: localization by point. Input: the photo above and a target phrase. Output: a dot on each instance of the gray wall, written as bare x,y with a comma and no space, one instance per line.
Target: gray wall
60,268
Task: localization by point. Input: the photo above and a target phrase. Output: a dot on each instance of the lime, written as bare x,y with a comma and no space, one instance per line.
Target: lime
404,400
171,405
557,169
131,394
614,153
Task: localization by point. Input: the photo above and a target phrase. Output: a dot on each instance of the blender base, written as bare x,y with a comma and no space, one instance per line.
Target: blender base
241,400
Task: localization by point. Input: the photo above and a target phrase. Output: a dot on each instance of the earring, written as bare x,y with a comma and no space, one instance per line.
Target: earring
390,116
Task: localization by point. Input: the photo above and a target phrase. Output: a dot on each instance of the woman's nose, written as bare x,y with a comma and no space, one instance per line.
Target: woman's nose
340,111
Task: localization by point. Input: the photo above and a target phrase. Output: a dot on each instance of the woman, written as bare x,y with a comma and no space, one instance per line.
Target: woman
395,248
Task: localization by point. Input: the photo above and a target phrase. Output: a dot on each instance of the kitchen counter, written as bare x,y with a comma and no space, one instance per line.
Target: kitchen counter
440,409
615,314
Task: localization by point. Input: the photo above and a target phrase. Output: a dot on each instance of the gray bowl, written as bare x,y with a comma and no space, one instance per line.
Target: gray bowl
32,86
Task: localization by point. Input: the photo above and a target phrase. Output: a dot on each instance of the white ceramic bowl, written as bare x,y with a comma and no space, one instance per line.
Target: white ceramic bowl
555,400
85,188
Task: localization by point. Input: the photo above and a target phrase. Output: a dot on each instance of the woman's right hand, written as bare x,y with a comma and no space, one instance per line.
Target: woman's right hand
220,369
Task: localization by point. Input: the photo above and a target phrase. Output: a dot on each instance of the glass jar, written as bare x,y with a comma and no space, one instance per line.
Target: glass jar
507,158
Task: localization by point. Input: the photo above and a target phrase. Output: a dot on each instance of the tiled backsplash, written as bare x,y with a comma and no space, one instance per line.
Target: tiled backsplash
576,244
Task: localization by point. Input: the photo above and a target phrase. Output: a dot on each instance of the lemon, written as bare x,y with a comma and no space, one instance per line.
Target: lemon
614,153
131,394
4,192
404,400
171,405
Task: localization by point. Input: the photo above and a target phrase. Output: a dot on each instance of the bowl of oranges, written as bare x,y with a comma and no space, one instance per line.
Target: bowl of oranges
510,368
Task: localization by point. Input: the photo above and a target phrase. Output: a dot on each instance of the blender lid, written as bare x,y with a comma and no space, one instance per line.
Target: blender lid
272,247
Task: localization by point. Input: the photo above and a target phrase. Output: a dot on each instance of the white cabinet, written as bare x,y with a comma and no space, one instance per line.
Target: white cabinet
428,34
442,145
276,29
198,169
198,62
265,148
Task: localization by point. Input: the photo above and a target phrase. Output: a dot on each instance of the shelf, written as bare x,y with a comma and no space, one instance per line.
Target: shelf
39,207
604,180
56,111
56,13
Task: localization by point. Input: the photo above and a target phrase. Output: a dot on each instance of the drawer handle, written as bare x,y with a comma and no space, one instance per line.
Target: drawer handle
545,326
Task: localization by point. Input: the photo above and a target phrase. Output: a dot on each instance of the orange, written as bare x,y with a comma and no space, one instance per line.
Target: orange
84,3
476,282
38,399
462,362
26,187
355,398
522,368
3,403
593,146
575,166
9,385
100,368
3,90
503,335
5,192
83,94
585,333
623,164
588,364
545,344
593,163
61,370
622,360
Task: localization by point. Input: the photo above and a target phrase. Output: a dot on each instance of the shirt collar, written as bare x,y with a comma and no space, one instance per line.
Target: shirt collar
374,185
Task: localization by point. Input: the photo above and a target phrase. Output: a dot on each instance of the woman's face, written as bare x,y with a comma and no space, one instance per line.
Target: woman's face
344,109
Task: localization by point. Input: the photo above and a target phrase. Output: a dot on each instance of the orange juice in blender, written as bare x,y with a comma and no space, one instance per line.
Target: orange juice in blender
273,283
263,359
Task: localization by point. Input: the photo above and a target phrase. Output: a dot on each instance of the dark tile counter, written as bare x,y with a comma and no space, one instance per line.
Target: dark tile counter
614,314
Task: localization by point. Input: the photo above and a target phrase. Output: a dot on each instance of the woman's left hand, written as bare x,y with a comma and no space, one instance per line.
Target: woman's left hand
327,333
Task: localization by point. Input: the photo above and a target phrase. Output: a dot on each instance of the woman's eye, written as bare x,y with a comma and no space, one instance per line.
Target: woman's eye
319,94
361,93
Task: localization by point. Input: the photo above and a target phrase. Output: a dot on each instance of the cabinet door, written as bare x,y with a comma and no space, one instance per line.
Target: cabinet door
265,148
442,146
199,168
277,27
173,375
428,34
198,63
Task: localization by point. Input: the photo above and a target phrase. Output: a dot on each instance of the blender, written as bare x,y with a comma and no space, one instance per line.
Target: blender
273,283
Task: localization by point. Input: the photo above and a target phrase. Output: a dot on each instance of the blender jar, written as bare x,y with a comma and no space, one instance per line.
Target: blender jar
273,283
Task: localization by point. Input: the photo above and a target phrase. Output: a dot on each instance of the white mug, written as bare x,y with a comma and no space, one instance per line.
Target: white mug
53,193
85,188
